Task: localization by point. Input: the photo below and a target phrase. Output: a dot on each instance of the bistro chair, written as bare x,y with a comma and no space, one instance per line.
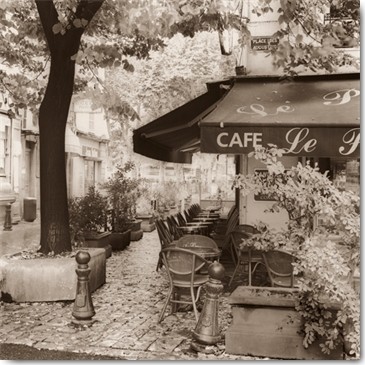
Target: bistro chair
174,228
191,227
183,267
279,266
165,237
221,234
243,256
180,219
247,228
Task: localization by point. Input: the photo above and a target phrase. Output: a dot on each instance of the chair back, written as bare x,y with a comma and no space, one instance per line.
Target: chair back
231,225
173,228
247,228
279,265
188,217
180,219
231,210
182,264
163,233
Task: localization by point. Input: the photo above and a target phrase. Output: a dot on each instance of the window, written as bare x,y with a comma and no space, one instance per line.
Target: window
89,174
2,152
4,133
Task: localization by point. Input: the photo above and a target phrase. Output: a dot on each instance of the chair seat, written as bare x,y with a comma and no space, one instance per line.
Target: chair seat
285,282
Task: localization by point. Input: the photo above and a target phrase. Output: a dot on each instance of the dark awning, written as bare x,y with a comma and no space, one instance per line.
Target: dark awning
308,115
175,136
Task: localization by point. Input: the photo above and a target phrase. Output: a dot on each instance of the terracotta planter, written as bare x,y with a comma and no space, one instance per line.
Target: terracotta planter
265,323
98,240
120,240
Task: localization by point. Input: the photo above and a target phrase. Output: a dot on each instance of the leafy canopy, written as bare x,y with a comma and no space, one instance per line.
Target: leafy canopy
122,29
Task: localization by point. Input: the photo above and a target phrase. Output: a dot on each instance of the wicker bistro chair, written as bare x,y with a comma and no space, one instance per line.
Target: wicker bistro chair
221,234
243,256
191,227
279,266
183,270
174,228
166,239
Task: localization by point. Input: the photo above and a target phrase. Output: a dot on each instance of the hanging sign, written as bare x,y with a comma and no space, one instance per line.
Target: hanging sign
297,141
263,43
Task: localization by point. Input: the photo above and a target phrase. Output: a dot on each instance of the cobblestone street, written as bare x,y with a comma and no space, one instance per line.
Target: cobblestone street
127,309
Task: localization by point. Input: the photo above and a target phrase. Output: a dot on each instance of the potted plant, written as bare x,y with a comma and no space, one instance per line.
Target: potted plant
326,303
87,217
145,210
122,192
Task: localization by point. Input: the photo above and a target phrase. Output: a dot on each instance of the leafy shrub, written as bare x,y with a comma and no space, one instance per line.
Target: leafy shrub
86,214
327,267
123,192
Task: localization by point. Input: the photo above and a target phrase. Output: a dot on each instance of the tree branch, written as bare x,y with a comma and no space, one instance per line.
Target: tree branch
86,9
48,16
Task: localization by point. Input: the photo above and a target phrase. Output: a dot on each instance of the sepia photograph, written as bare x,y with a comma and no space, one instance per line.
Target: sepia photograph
180,180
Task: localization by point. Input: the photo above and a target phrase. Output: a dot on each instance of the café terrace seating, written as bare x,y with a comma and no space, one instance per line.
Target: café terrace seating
178,232
183,268
242,256
180,225
222,230
279,266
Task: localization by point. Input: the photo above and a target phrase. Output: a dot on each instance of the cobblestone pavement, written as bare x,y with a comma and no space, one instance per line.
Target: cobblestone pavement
127,309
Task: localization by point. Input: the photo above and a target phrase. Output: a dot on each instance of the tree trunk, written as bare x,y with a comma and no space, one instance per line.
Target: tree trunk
53,113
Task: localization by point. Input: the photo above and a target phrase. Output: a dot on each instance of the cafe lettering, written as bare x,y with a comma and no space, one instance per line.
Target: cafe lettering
296,141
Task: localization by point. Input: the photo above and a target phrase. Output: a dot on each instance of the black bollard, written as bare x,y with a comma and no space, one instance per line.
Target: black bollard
206,332
7,223
83,309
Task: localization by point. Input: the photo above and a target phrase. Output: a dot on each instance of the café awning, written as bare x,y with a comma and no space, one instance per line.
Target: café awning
175,136
307,115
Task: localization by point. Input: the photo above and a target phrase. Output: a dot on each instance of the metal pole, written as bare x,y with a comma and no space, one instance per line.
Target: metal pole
83,309
7,223
206,332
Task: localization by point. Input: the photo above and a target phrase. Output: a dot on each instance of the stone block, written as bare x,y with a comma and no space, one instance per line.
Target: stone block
99,240
270,327
48,279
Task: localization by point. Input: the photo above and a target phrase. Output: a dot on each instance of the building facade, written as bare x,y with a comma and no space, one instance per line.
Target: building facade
257,61
86,142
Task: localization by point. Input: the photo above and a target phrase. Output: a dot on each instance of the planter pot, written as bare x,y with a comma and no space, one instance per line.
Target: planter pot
136,231
98,240
265,323
48,279
240,70
166,213
120,240
148,222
